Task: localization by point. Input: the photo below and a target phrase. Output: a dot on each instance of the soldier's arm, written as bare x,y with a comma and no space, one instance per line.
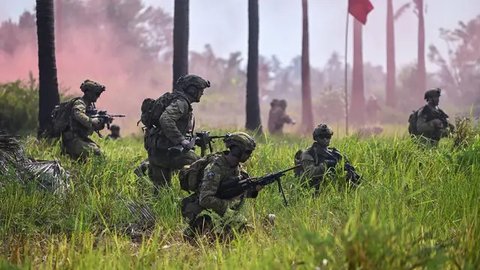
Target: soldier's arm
79,114
287,119
169,118
310,169
208,189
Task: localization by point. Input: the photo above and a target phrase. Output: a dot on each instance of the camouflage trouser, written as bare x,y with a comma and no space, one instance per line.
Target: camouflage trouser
205,221
79,148
163,162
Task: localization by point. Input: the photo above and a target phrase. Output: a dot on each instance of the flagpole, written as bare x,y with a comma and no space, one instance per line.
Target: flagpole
346,73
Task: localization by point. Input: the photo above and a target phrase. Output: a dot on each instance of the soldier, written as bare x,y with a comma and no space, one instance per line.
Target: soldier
115,132
204,211
431,122
75,139
277,116
319,160
168,144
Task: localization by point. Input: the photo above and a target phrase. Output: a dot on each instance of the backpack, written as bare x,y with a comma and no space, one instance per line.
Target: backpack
61,118
151,109
412,123
191,176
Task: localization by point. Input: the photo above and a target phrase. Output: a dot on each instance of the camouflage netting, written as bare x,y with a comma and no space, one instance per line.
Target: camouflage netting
48,175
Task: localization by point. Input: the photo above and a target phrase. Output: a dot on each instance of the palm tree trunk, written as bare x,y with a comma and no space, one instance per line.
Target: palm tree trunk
253,121
357,109
48,92
391,70
180,39
421,70
307,114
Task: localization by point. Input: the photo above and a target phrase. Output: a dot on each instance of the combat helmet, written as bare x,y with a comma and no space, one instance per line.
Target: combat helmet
89,85
191,80
240,139
432,93
322,131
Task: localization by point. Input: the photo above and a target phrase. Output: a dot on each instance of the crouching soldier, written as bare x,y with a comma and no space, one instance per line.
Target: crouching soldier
75,138
207,211
430,122
167,141
319,161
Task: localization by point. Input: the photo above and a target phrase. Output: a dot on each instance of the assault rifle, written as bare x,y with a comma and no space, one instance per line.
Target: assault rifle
233,188
352,176
106,118
203,139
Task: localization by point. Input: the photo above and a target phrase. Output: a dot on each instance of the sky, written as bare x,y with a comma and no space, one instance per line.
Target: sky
224,25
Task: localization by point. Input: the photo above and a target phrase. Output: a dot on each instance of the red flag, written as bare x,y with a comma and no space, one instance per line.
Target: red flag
360,9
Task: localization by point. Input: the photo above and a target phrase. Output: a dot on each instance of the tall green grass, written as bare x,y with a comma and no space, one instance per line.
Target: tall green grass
416,208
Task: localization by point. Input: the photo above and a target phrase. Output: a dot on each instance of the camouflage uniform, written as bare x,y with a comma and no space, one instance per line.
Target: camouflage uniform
203,210
75,139
319,160
432,122
175,126
277,116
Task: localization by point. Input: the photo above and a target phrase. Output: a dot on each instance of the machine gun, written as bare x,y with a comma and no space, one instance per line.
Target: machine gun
233,188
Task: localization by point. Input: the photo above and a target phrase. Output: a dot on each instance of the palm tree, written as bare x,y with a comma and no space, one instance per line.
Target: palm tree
421,70
307,114
48,85
390,85
357,108
253,121
180,39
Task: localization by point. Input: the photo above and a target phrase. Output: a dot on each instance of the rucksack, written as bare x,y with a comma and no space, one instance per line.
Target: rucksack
412,123
61,118
191,176
152,109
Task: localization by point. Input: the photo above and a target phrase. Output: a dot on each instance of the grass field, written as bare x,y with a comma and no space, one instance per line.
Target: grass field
416,209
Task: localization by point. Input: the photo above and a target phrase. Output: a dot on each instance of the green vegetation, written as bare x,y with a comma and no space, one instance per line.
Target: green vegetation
415,209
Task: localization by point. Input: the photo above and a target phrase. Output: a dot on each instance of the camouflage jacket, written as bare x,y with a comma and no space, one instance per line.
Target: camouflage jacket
316,161
276,119
217,171
80,122
429,128
175,122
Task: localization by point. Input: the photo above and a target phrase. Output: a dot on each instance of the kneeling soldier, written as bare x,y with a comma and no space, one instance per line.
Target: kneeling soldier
320,160
206,210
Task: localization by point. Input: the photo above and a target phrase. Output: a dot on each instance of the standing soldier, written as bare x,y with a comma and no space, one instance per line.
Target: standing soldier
277,116
430,122
114,132
168,144
205,210
319,160
75,138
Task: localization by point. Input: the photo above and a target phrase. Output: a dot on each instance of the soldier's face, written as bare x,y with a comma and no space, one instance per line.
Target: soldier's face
246,155
436,100
92,95
324,141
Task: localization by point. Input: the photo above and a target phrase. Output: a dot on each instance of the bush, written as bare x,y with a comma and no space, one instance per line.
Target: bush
19,107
